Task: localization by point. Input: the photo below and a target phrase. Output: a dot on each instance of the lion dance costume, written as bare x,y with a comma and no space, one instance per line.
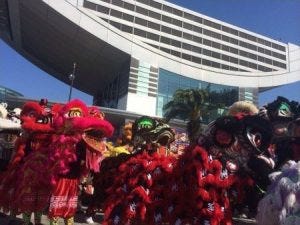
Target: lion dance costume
73,153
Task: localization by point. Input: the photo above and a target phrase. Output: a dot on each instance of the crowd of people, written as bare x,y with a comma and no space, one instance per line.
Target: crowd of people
244,164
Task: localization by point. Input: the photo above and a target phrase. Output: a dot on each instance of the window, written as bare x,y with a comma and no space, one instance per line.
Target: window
187,57
177,12
140,21
243,44
154,26
279,56
176,43
166,29
152,36
188,16
252,47
165,40
139,32
115,13
268,43
268,52
252,38
196,59
117,2
176,32
279,64
126,29
225,38
197,49
233,60
166,19
187,46
127,17
268,61
206,52
165,50
187,36
207,32
215,64
115,24
128,6
216,55
206,62
233,41
243,35
197,39
206,42
225,67
261,50
175,53
216,45
233,31
215,35
233,50
225,48
142,10
177,22
187,26
102,9
154,15
155,4
260,41
167,9
253,65
89,5
197,29
225,58
146,2
252,56
260,58
198,19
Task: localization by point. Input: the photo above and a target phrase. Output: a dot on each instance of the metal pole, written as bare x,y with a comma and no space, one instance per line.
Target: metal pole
72,78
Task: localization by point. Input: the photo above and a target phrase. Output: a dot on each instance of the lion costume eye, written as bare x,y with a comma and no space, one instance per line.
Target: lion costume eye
74,112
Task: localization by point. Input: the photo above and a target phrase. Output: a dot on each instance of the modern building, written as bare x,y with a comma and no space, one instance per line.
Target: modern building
133,54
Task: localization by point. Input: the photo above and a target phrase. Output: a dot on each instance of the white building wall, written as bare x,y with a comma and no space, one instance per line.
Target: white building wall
141,104
137,49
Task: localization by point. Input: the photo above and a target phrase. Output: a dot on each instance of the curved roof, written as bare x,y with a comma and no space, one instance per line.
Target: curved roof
54,34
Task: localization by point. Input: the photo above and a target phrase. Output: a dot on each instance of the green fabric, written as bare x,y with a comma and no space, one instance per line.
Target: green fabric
54,221
26,218
37,217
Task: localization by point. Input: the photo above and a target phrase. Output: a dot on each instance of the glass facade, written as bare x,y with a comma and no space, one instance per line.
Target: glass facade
169,82
143,78
6,93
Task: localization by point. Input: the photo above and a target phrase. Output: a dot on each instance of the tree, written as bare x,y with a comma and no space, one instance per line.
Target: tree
191,105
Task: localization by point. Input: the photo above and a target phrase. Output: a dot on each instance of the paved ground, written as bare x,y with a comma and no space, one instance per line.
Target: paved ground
79,220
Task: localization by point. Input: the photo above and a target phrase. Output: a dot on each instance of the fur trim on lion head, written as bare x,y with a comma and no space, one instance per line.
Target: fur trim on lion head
36,118
70,118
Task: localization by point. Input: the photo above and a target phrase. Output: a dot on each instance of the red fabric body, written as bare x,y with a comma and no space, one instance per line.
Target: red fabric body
63,202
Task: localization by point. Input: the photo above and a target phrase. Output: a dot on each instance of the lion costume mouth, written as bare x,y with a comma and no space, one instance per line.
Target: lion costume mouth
95,140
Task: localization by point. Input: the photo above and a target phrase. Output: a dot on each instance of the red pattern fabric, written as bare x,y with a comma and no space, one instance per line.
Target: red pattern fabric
63,202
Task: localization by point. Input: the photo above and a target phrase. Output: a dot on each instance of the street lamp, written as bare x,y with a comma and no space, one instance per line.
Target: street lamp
72,78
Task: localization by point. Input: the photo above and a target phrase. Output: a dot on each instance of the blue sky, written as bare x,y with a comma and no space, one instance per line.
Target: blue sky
278,19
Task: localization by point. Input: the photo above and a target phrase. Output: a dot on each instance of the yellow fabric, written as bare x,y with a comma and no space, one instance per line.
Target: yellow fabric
115,151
